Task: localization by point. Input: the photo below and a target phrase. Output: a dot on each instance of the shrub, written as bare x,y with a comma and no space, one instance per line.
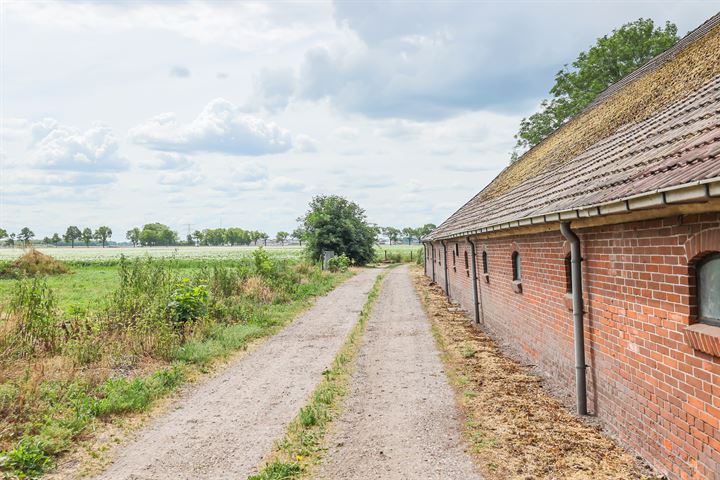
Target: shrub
188,302
339,263
263,264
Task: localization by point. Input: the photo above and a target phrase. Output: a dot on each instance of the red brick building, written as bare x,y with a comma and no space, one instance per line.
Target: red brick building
633,182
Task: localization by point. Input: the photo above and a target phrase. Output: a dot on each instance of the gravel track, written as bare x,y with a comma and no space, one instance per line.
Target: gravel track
224,427
400,420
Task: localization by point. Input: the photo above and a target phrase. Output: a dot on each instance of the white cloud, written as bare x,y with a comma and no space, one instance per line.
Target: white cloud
185,179
305,143
348,134
167,161
273,89
64,148
74,179
221,127
244,177
13,128
286,184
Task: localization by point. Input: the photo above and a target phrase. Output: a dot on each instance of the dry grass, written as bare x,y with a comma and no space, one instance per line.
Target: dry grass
516,429
34,263
257,288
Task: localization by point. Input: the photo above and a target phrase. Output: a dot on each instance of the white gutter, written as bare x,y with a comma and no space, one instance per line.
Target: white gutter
693,192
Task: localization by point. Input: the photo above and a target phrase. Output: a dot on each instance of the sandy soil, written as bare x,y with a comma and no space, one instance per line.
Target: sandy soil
400,420
223,428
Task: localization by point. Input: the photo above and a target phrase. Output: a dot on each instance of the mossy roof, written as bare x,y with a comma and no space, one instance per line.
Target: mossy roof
656,128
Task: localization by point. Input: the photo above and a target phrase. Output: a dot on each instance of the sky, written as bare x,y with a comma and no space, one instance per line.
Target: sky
218,114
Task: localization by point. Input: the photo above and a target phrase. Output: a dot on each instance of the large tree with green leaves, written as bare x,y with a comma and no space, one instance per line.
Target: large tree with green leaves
72,234
299,234
153,234
338,224
102,234
87,236
281,237
133,235
26,235
576,85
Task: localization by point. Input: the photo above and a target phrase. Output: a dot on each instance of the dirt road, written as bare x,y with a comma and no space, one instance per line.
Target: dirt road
224,427
400,419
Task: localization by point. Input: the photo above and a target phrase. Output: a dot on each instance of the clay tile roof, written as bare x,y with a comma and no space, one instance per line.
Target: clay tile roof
659,127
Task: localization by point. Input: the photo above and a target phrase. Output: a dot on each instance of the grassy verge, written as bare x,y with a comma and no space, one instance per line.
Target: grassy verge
63,370
302,447
516,429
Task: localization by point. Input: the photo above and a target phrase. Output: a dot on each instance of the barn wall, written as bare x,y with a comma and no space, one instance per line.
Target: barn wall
654,391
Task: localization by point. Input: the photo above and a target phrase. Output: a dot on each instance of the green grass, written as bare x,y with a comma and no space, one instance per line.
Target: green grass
41,417
303,444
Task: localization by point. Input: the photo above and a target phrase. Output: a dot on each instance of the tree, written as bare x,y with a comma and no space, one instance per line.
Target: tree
3,233
26,235
577,85
264,236
299,234
46,240
426,229
281,237
255,236
392,234
11,240
153,234
102,234
338,224
198,237
87,236
55,239
72,234
133,235
409,233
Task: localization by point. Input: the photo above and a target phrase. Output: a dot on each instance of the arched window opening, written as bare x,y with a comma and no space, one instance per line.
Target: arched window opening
516,267
485,262
467,264
568,273
708,289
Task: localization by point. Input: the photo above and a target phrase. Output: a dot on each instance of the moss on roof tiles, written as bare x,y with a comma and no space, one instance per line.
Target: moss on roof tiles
688,70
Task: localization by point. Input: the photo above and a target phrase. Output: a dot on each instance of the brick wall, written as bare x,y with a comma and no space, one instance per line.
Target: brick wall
649,386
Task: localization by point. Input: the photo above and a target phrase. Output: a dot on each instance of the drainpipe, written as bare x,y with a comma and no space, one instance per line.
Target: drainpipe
447,287
577,302
432,250
475,282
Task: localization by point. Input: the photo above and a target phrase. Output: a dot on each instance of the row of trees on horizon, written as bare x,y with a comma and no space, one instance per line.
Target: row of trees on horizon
158,234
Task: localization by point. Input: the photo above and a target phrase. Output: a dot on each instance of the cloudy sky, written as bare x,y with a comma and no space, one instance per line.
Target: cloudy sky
236,114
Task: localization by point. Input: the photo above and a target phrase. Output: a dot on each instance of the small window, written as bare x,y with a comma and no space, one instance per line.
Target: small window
708,289
516,269
454,256
568,274
467,265
485,262
457,249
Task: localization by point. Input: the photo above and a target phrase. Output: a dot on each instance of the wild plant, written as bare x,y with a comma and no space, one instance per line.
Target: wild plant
33,307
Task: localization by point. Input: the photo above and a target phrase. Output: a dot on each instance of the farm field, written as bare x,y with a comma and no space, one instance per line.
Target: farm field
99,254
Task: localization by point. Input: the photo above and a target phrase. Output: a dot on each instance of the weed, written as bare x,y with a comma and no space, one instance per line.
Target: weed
467,350
278,471
27,460
33,306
